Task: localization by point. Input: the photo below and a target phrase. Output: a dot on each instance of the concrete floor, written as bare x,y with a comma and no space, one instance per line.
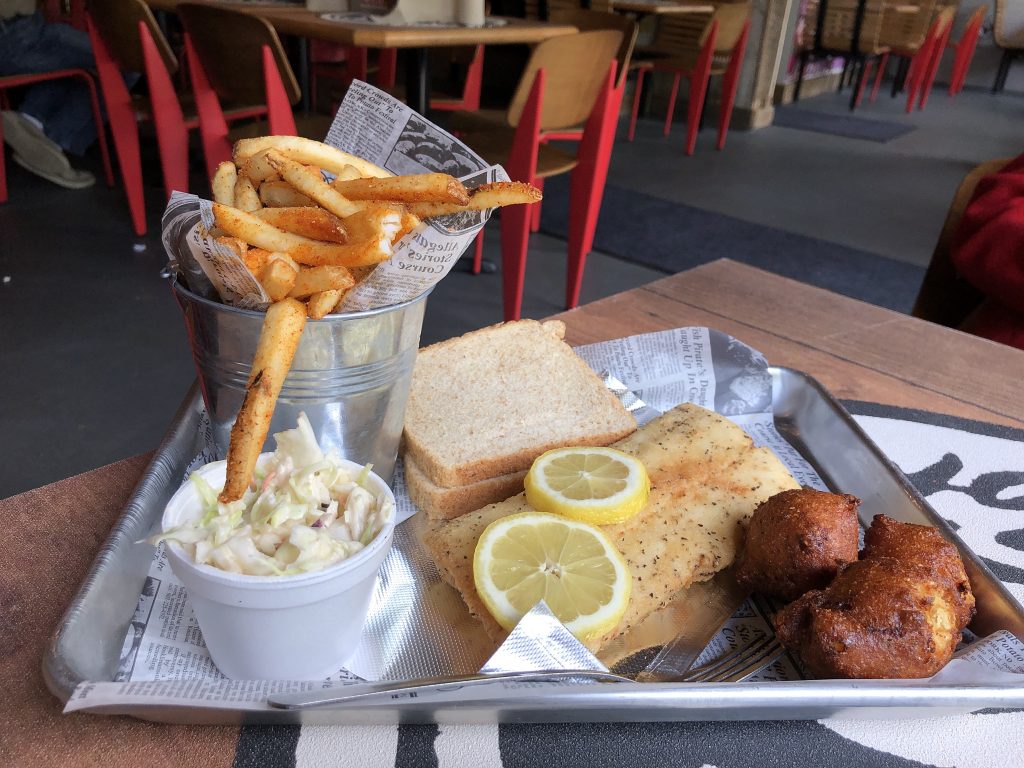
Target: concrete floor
95,359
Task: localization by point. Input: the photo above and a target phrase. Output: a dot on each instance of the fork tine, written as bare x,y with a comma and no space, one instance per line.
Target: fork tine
739,664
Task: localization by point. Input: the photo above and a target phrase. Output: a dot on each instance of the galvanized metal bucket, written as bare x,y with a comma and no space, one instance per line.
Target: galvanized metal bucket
350,375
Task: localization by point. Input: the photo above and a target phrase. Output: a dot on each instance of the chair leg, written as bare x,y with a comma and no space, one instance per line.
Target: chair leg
862,78
388,66
101,130
916,73
967,46
672,102
804,56
882,63
844,73
699,87
636,103
729,84
3,167
123,127
535,208
932,68
171,133
478,252
1003,71
213,128
587,183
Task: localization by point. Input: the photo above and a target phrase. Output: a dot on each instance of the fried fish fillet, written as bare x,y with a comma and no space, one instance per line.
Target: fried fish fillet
706,479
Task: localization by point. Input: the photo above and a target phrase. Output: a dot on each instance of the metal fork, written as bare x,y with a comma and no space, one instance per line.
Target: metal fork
739,664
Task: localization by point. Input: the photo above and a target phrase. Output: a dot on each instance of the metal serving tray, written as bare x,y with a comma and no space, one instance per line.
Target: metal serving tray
86,644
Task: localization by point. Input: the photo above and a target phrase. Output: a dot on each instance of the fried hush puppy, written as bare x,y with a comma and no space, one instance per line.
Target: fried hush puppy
797,540
896,613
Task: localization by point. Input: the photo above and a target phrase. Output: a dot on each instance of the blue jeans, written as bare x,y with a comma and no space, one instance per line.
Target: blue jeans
29,45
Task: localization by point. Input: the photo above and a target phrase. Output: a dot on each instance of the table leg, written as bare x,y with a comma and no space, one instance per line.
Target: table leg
304,73
417,79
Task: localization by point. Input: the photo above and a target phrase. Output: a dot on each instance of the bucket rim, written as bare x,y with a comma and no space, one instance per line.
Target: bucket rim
178,287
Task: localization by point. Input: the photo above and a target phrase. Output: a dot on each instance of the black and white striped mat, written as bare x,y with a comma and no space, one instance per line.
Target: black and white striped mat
972,473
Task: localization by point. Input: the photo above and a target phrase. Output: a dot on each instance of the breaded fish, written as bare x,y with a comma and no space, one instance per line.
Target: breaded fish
706,479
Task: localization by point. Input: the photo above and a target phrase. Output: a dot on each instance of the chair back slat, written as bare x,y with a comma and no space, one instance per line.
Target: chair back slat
687,32
575,67
906,31
587,21
230,46
117,22
839,24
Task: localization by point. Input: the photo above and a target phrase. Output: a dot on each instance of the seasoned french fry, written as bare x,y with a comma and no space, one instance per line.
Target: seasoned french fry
223,183
257,169
496,195
308,152
323,303
419,188
246,197
259,233
281,194
279,338
278,279
235,244
374,223
314,223
311,184
409,223
256,259
348,173
319,279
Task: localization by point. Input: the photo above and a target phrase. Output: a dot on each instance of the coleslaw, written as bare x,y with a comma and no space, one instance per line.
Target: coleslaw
303,512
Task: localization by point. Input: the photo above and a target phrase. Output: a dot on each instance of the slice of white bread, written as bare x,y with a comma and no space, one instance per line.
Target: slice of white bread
489,402
442,503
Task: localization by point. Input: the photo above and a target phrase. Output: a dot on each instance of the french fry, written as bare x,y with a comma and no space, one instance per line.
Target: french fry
323,303
418,188
308,152
320,279
409,223
281,194
235,244
279,338
374,223
348,173
257,169
361,254
496,195
223,183
314,223
278,279
256,260
246,197
311,184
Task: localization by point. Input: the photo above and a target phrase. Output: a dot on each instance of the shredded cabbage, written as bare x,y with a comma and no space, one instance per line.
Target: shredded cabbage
304,512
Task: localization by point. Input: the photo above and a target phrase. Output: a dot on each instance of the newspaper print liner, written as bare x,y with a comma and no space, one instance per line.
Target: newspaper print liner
372,125
419,627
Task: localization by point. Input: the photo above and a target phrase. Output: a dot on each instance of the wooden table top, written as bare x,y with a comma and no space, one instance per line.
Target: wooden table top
660,7
290,20
857,350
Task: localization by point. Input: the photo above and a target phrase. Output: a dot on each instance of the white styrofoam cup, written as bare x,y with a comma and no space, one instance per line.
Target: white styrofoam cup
301,627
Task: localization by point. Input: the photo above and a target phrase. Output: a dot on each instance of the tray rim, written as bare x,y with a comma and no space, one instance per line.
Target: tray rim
61,679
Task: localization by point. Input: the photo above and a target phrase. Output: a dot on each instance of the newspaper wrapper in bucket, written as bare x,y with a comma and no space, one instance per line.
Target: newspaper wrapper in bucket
352,370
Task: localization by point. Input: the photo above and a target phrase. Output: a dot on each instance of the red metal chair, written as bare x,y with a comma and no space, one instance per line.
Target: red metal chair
252,74
125,38
561,88
469,99
17,81
963,50
922,57
344,64
697,46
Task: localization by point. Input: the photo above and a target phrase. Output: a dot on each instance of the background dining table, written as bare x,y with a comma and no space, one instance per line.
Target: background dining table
417,40
878,361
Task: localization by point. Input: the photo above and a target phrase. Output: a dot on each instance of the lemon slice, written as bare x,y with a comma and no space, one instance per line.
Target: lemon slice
574,567
599,486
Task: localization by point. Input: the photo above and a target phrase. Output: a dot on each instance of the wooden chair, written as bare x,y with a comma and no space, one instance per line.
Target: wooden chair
909,37
848,28
963,50
250,74
569,80
946,298
697,46
1008,32
125,38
